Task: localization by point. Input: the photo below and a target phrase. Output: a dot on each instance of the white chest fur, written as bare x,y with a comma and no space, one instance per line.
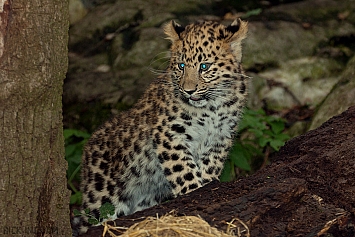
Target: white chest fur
209,129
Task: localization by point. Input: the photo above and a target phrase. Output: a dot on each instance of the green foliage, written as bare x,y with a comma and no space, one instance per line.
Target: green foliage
262,133
74,143
253,12
106,210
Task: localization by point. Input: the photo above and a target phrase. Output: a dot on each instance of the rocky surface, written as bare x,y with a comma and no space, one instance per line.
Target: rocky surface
295,52
308,190
341,97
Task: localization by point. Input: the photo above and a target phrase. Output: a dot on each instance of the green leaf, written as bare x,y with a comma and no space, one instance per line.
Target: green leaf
87,211
252,119
77,212
263,141
242,162
253,150
228,172
276,144
75,157
257,132
261,112
281,137
70,149
106,210
93,221
72,167
277,126
256,124
73,132
255,112
68,133
269,133
244,123
76,198
73,199
240,157
74,143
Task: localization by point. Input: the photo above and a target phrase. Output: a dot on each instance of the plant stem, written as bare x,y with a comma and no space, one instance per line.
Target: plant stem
72,177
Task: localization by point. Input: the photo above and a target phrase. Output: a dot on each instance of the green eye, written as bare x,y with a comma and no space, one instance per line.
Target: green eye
181,66
204,66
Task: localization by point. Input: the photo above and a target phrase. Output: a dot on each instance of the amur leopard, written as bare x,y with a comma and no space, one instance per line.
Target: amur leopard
176,138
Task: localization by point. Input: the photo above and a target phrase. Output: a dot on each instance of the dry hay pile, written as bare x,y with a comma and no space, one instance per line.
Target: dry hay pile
173,226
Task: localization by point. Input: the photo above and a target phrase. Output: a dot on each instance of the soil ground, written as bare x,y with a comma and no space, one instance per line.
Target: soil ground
307,190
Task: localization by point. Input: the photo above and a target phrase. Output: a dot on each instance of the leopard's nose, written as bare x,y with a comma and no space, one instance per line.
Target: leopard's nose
190,92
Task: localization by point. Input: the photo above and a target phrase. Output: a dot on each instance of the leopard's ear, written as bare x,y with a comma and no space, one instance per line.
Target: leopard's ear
234,34
237,30
173,31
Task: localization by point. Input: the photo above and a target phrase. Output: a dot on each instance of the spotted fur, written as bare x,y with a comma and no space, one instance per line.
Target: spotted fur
176,138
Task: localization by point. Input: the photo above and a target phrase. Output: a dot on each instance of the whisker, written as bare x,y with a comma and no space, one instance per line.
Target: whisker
223,98
160,65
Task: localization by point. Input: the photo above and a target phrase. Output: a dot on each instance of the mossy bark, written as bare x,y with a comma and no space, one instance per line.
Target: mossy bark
34,199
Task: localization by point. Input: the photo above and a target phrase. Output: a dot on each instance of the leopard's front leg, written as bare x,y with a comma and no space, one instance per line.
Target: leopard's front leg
180,169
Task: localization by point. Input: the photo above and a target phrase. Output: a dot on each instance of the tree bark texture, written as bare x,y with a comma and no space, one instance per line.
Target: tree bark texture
34,200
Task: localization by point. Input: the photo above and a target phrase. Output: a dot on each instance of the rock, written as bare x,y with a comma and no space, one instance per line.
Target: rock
143,52
273,42
313,11
341,97
299,127
82,86
299,82
256,86
117,15
101,20
77,11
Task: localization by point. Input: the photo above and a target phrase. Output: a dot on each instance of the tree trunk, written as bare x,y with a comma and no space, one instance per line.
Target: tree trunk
34,200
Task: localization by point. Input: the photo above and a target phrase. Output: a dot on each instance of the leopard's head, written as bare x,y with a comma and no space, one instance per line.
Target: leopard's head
205,60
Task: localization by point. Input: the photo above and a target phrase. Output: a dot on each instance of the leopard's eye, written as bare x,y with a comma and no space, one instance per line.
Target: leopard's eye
181,66
204,66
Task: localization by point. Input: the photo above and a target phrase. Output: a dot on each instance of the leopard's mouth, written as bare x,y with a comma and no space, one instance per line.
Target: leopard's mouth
195,98
196,101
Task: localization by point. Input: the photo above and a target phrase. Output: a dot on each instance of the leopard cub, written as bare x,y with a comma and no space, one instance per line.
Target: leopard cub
176,138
